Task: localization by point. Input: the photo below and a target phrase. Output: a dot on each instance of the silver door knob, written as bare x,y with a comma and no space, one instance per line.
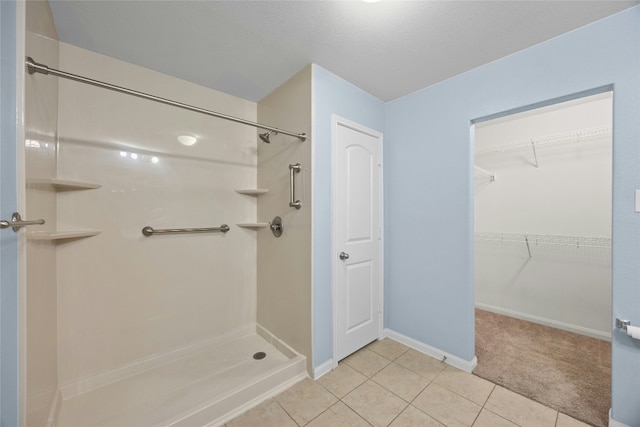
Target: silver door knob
17,222
344,256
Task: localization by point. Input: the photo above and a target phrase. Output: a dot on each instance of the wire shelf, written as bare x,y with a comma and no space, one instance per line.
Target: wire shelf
546,239
554,139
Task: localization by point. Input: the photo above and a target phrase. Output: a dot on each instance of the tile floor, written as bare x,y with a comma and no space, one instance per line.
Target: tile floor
390,384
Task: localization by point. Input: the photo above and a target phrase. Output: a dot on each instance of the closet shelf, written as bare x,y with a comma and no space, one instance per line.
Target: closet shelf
256,192
61,235
553,139
254,225
65,184
546,239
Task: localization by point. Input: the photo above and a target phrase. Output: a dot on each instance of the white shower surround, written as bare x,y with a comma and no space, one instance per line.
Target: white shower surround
123,296
132,311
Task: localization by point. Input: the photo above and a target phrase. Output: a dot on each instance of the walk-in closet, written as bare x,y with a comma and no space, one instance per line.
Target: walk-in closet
543,251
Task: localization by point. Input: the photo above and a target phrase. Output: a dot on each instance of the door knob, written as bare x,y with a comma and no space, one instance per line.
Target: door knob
344,256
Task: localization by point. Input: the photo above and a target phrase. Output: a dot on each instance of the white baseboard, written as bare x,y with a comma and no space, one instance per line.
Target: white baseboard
458,362
92,382
593,333
324,368
614,423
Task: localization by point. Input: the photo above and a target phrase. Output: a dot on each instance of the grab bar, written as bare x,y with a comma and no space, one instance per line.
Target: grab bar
149,231
17,222
292,186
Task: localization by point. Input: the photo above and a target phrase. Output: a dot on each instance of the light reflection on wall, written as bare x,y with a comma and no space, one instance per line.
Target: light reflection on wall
140,157
31,143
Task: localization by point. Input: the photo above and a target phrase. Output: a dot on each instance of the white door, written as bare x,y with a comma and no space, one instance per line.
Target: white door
357,236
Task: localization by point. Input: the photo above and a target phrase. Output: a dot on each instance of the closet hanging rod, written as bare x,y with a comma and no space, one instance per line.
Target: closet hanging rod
34,67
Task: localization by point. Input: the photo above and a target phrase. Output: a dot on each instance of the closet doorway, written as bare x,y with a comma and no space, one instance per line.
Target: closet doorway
543,181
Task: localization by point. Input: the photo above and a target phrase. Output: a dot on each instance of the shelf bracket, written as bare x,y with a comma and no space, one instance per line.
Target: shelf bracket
490,175
535,155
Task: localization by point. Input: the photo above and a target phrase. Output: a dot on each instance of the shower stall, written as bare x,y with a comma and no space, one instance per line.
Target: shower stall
156,292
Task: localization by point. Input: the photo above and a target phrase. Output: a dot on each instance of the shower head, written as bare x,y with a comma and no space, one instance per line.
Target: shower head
265,136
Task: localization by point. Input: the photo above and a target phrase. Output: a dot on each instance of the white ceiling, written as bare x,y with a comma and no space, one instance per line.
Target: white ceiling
248,48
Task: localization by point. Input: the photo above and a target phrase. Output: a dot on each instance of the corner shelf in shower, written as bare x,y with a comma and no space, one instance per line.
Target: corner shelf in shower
256,192
254,225
65,184
61,235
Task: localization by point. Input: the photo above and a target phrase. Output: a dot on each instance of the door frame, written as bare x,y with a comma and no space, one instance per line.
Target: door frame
13,343
335,122
472,147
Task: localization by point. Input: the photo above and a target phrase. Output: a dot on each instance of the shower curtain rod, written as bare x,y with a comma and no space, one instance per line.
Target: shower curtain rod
34,67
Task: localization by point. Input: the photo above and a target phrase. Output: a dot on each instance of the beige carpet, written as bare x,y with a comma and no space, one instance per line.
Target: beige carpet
568,372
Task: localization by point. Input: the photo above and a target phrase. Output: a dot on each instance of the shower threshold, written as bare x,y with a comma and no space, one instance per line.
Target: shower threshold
205,388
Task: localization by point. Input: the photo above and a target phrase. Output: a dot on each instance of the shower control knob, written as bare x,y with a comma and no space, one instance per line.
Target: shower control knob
344,256
277,227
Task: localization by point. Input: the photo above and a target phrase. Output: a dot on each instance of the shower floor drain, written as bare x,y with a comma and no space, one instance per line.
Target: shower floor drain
260,355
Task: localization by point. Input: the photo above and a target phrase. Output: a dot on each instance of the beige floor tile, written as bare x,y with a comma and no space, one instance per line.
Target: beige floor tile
423,365
375,404
342,380
305,401
566,421
465,384
267,414
412,417
388,348
366,362
520,410
489,419
339,415
446,406
401,381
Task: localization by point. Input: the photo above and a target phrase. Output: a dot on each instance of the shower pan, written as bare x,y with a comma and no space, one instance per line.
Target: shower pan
207,386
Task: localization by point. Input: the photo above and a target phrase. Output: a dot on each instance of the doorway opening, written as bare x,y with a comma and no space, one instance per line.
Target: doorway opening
542,218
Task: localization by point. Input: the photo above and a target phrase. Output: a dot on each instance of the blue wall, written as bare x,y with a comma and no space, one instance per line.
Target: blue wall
429,188
331,95
9,409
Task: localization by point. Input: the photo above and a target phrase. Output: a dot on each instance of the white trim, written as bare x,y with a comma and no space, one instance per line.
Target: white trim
323,369
334,312
614,423
458,362
382,238
547,322
92,382
21,34
335,122
312,202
